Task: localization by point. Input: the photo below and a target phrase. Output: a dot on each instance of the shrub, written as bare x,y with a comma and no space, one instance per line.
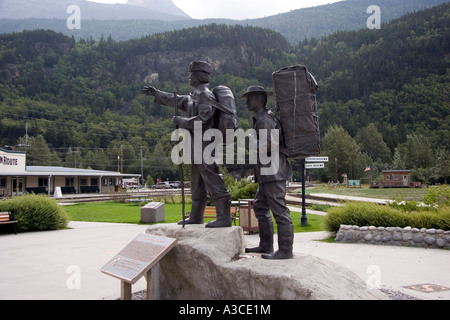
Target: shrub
243,190
363,214
431,219
370,214
439,196
408,206
36,212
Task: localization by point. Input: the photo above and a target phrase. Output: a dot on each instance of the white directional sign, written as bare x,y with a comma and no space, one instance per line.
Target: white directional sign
317,159
315,166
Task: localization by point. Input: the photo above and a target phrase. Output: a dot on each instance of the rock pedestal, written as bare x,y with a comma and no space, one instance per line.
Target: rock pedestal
209,264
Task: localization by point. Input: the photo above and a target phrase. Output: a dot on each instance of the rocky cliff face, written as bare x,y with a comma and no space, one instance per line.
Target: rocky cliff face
174,64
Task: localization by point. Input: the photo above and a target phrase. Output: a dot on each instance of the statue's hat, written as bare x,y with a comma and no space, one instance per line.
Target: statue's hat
200,66
256,89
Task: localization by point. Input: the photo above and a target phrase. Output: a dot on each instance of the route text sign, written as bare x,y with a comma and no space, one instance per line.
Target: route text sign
138,257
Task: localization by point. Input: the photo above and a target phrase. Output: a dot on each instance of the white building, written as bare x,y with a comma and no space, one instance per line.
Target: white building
17,178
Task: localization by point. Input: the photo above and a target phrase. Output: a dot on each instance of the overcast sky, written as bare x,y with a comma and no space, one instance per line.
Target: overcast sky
237,9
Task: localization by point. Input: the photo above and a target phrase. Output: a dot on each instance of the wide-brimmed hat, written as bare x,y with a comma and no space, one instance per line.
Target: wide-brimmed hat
256,90
200,66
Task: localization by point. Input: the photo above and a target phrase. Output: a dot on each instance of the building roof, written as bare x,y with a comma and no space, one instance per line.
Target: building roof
19,168
62,171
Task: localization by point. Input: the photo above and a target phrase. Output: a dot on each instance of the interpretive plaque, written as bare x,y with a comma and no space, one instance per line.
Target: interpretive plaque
138,257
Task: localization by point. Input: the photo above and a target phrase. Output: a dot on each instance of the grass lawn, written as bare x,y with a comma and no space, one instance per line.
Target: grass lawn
113,212
119,212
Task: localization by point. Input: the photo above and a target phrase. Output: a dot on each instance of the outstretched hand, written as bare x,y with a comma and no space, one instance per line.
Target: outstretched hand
180,122
149,91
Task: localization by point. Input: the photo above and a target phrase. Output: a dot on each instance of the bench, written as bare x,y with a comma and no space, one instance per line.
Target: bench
8,218
65,190
139,200
89,189
210,213
36,190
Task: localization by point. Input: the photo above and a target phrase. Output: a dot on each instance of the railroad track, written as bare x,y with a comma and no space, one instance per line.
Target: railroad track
147,194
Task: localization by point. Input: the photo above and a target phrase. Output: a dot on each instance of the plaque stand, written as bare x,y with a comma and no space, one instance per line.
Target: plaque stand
125,288
136,260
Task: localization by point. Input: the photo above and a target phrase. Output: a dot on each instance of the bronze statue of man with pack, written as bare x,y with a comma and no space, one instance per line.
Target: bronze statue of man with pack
298,122
202,107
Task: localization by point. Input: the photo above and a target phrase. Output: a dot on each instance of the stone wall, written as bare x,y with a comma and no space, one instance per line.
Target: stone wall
413,237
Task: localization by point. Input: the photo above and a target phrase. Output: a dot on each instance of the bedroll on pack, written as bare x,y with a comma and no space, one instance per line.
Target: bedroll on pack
225,117
295,90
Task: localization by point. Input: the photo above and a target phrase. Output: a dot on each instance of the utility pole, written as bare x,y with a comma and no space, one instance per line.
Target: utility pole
336,168
26,134
121,159
142,168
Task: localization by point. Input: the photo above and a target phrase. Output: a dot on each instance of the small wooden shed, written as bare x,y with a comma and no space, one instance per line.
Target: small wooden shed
397,179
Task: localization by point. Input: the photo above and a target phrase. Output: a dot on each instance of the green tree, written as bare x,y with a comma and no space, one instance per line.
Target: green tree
344,154
416,152
371,142
38,152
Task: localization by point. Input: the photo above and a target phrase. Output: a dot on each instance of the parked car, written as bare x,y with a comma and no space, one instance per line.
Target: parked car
162,185
175,184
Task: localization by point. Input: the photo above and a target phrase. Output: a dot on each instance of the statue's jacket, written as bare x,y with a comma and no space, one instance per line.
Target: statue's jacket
266,119
195,105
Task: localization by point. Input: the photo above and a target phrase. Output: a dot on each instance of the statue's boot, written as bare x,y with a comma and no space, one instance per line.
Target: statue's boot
197,213
265,238
285,242
223,214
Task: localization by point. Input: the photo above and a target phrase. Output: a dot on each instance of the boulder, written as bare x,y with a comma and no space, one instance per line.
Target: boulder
209,264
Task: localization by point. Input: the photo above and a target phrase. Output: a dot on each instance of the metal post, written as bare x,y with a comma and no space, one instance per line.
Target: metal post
149,284
181,168
304,220
125,290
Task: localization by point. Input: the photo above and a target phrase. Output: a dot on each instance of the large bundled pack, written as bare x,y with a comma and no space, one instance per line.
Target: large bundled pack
295,90
226,118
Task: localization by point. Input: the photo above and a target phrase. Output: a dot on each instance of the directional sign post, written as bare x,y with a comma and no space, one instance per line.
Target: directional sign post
317,159
315,165
309,165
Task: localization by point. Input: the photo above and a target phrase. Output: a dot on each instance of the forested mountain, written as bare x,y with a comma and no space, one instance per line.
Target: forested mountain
384,96
295,26
344,15
57,9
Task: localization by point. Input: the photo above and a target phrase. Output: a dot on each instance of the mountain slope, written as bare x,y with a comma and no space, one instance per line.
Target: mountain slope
294,26
57,9
340,16
85,95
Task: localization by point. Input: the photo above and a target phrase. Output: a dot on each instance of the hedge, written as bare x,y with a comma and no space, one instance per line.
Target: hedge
370,214
36,212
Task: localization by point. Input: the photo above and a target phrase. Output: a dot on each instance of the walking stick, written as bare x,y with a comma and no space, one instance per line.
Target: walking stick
181,167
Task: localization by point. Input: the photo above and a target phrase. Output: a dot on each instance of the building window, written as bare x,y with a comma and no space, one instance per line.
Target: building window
2,182
43,182
70,182
94,181
83,182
